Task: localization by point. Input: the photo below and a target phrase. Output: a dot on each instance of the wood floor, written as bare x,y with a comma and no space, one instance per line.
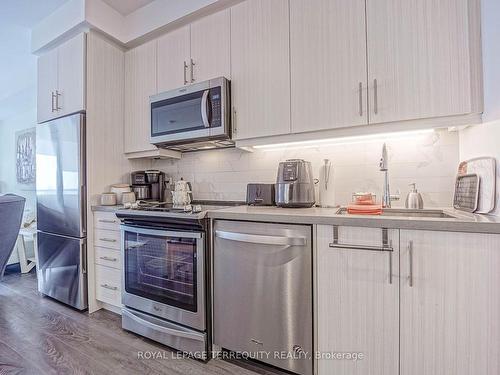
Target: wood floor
41,336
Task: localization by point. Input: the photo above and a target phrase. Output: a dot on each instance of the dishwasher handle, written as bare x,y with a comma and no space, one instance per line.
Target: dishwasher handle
261,239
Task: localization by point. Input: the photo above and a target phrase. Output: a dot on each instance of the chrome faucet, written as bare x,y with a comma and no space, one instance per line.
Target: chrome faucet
384,167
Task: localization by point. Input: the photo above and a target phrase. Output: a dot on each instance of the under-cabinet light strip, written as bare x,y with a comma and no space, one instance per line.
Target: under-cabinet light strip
345,140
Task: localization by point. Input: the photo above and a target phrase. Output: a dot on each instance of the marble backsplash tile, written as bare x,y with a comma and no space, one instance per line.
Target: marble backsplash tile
430,160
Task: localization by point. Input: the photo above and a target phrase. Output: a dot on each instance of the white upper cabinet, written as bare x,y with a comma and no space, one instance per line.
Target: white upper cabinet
71,75
450,303
260,68
358,301
174,65
47,85
210,47
420,59
328,64
61,80
140,84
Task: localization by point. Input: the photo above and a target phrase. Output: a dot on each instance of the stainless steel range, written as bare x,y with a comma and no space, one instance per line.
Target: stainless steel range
165,275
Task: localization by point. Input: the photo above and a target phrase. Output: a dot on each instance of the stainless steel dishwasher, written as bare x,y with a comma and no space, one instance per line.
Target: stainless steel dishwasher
263,292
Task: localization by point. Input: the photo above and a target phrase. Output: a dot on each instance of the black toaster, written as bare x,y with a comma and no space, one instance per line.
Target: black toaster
260,195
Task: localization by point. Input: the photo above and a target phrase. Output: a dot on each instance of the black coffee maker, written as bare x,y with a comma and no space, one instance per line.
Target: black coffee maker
148,185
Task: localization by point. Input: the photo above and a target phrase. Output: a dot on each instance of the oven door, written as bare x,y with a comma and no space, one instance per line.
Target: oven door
164,274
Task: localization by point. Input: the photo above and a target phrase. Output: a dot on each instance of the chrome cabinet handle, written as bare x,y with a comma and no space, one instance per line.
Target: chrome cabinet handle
107,221
107,239
375,96
110,287
410,259
185,73
58,94
192,70
260,239
361,99
109,259
386,246
53,97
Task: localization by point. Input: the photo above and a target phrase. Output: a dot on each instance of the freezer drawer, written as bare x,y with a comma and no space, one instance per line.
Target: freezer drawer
263,292
165,332
62,269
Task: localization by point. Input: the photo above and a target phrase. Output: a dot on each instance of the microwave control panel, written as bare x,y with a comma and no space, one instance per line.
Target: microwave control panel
216,106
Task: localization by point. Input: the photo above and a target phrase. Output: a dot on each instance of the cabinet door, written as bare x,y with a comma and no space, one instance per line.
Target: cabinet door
71,75
419,63
140,84
47,85
358,303
328,64
449,315
174,60
260,68
210,46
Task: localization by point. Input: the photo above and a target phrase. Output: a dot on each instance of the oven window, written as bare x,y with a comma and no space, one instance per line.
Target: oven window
162,269
177,115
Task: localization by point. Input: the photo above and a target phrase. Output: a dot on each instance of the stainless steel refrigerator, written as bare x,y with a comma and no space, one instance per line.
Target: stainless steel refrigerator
61,210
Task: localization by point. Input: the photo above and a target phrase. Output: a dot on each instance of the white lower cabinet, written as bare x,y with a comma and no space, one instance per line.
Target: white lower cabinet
440,315
450,303
357,308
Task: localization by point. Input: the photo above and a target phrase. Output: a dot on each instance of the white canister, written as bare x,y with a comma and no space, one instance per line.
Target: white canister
128,197
108,199
326,189
119,189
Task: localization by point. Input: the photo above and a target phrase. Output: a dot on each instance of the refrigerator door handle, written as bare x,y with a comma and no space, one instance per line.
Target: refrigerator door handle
83,257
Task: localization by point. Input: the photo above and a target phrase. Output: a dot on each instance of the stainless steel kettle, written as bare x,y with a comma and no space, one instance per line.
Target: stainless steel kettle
414,199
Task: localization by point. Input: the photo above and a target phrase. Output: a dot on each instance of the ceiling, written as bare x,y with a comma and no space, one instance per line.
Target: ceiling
125,7
17,64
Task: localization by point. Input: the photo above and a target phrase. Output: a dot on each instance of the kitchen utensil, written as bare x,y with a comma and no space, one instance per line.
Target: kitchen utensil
128,197
119,189
466,192
326,192
108,199
168,187
414,198
260,194
485,168
142,191
295,184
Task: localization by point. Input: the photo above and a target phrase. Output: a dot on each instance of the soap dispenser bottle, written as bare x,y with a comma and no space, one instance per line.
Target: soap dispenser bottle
414,199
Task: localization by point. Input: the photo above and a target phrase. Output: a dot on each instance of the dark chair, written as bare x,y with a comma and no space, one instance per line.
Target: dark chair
11,215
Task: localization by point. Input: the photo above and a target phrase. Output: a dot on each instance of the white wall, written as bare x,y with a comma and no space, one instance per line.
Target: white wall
484,139
431,160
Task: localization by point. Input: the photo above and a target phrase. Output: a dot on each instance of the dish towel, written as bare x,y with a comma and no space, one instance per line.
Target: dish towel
364,209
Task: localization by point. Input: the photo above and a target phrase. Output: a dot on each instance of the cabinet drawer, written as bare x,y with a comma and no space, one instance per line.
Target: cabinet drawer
108,257
108,285
107,238
106,220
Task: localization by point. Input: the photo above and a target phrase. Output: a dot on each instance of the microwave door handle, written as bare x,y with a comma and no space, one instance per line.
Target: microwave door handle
204,108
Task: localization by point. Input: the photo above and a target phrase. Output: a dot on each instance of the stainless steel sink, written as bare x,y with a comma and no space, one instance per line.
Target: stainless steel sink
404,212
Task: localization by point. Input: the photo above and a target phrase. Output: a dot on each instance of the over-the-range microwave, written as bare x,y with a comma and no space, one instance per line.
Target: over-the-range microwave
193,117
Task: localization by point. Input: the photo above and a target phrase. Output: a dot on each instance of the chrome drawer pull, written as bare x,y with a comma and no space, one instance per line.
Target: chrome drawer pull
107,239
259,239
107,221
109,258
109,287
